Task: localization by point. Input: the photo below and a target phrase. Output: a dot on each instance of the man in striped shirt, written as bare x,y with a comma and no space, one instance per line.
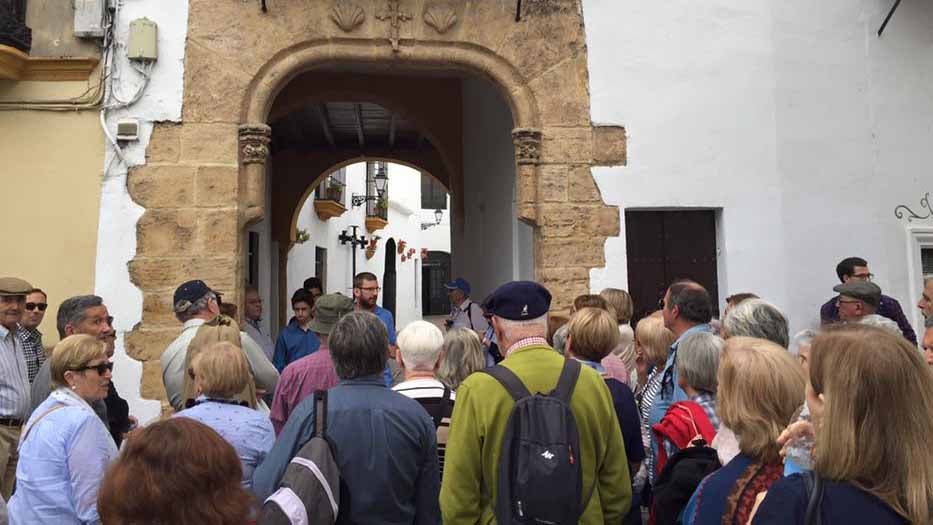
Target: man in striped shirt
419,353
14,381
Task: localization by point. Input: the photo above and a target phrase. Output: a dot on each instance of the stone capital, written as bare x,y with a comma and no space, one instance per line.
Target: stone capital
254,143
527,145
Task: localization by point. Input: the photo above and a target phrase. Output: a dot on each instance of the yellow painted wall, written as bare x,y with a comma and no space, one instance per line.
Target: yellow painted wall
50,181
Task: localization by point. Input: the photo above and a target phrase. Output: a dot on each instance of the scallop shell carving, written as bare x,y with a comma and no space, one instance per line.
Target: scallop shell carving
347,15
440,17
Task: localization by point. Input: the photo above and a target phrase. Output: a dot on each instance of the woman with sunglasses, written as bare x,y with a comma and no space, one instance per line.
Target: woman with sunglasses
65,447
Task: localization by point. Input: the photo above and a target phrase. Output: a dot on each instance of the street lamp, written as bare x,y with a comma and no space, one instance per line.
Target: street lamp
438,215
380,180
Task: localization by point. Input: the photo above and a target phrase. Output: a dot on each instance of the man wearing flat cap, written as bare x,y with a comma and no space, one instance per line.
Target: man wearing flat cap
311,372
858,303
14,380
195,305
468,492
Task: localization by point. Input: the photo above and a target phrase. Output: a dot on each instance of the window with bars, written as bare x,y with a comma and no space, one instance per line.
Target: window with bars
333,187
377,206
926,260
433,194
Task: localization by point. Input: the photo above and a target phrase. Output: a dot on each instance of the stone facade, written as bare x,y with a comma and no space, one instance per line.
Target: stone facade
206,179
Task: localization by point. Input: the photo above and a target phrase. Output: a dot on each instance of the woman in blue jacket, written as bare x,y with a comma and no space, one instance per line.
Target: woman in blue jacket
66,448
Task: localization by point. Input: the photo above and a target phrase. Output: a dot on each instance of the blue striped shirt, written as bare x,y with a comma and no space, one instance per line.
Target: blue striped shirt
14,380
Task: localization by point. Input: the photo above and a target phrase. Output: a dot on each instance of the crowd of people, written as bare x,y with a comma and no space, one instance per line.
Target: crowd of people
508,413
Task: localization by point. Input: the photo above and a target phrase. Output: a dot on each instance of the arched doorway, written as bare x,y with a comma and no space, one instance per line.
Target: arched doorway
212,177
389,278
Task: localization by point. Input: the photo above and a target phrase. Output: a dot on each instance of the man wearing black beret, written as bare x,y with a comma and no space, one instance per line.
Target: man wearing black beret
519,317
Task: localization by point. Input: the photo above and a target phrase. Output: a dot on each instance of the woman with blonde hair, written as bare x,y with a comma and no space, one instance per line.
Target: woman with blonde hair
65,447
761,386
462,354
219,373
621,305
871,402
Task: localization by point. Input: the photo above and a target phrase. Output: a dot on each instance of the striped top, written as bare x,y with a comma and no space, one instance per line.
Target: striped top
429,393
14,380
645,398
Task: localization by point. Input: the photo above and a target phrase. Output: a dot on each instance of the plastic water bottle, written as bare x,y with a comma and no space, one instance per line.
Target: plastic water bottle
800,450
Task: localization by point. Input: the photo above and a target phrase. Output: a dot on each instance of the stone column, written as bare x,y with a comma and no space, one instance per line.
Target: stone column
527,155
254,150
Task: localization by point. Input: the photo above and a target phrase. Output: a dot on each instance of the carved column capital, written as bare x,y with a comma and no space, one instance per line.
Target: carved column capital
527,145
254,143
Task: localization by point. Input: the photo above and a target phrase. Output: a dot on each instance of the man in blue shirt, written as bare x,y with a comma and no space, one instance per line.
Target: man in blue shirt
296,340
384,443
687,310
365,294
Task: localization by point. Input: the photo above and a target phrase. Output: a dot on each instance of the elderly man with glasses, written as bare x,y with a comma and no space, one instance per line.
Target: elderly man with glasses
856,269
14,383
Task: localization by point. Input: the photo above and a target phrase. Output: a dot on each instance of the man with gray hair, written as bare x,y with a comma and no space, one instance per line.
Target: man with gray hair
196,304
756,318
925,304
474,447
382,441
87,314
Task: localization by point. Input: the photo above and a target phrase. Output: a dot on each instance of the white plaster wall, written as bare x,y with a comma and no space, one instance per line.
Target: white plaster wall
405,218
793,117
116,244
495,247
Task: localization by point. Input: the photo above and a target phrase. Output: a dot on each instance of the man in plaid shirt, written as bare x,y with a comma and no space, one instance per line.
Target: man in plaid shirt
28,331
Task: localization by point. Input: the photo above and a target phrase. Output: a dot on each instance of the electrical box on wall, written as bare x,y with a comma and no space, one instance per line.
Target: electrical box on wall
128,129
143,40
89,18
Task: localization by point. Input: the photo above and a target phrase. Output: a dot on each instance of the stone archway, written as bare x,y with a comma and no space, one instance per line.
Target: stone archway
205,178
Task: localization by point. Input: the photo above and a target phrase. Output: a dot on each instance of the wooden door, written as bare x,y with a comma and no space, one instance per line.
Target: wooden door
663,246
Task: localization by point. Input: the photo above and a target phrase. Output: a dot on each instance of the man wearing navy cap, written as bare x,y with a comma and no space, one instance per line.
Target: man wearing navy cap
519,318
464,312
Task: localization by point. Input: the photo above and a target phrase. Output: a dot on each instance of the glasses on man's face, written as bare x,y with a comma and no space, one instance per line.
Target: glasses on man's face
36,306
863,276
846,301
102,368
374,289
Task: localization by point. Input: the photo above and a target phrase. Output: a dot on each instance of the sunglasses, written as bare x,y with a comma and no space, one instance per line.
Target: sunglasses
36,306
102,368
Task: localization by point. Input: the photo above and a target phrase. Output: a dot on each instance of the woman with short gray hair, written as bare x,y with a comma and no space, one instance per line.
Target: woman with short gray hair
697,366
462,355
756,318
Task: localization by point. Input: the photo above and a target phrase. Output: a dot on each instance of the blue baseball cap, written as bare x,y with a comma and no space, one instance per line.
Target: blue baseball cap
459,284
188,293
519,301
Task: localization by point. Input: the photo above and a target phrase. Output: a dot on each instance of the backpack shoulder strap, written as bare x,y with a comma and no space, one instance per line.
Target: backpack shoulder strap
814,487
567,380
443,407
320,413
509,380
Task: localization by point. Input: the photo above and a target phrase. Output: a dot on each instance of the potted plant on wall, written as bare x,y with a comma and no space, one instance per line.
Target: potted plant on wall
334,191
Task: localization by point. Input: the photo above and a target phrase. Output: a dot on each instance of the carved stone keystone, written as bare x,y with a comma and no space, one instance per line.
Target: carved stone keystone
254,143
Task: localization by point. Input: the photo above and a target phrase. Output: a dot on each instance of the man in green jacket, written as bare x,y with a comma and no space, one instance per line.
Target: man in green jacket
468,490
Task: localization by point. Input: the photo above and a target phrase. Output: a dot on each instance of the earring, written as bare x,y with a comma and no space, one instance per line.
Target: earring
73,387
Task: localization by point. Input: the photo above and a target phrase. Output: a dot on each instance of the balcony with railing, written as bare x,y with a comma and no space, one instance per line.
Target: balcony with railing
377,202
329,198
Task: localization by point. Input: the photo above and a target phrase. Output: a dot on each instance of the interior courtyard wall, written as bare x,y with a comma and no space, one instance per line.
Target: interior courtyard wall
807,131
404,223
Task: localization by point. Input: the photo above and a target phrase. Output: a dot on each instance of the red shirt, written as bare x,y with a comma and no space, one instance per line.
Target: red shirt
299,380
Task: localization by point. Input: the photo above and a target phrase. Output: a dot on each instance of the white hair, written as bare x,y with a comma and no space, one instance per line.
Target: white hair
514,330
420,344
881,322
802,338
757,318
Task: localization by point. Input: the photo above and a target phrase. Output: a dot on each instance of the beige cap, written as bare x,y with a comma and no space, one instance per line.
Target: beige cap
14,286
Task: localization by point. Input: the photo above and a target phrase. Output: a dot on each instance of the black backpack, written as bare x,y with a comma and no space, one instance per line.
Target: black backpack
540,480
310,489
679,478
